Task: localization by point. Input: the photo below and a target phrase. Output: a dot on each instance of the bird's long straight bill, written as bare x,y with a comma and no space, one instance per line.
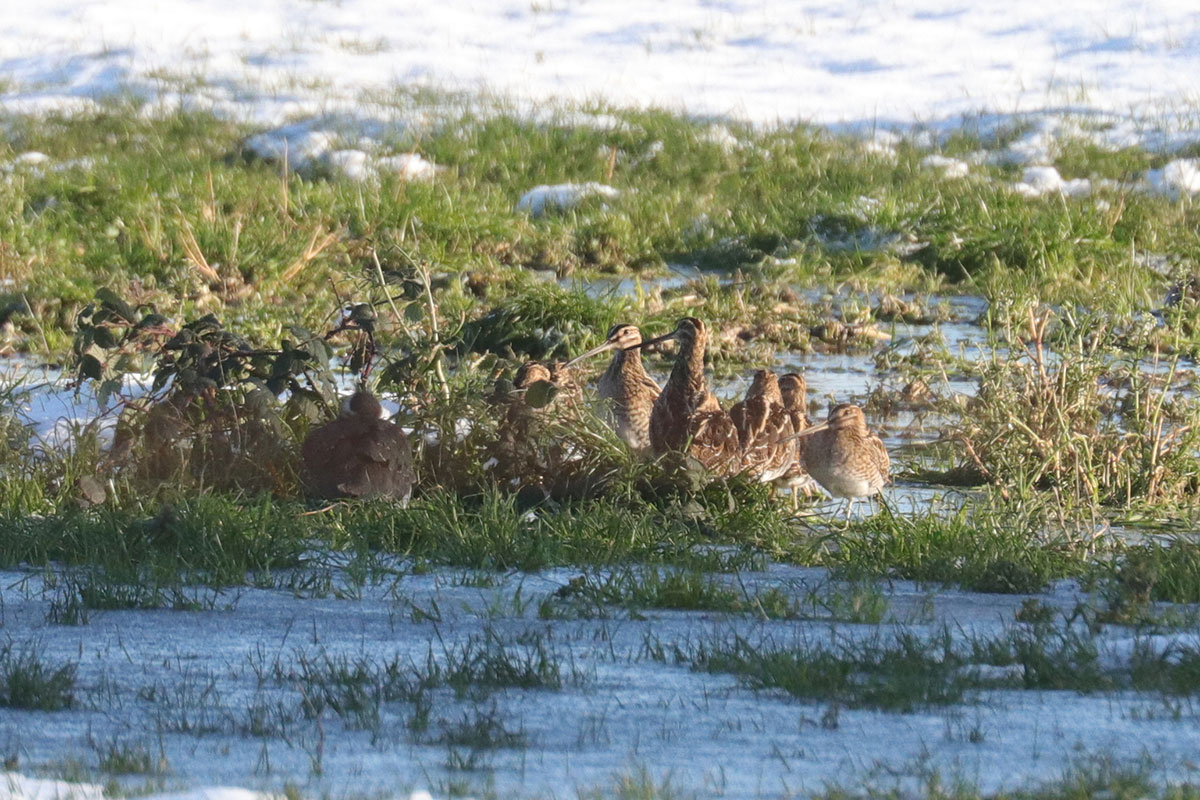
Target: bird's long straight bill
820,426
655,340
595,351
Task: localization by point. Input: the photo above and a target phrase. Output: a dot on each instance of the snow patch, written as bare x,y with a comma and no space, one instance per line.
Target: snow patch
1176,179
408,166
349,163
949,167
1039,181
215,793
30,158
299,145
722,137
563,196
14,786
883,143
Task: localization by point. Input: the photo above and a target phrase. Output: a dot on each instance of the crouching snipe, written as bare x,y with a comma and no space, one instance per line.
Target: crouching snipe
358,455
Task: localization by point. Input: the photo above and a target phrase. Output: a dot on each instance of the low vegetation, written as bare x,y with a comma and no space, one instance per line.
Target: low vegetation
218,302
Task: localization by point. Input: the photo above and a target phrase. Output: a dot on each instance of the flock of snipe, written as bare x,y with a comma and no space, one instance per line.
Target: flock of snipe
767,435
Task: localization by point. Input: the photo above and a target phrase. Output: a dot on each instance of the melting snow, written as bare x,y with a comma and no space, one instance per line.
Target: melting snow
563,196
884,65
1177,178
1042,180
949,167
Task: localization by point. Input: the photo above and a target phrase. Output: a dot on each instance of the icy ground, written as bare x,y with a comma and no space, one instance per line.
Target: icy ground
215,691
222,693
864,64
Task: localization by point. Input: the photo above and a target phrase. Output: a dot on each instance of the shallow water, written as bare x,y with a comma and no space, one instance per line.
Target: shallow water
145,676
219,692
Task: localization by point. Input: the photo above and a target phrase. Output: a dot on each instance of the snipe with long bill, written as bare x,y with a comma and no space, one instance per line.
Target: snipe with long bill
626,386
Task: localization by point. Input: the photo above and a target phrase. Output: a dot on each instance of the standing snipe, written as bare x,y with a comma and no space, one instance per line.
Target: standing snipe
687,418
794,390
764,428
358,454
627,386
844,456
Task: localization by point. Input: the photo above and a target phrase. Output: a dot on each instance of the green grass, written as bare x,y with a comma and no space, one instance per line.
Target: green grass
1090,776
904,671
635,589
172,205
977,547
28,681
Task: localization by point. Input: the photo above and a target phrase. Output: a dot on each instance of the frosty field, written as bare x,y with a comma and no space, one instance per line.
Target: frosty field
977,222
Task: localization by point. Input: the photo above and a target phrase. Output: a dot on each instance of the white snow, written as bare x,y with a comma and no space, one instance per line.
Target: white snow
1128,67
1177,178
408,166
949,167
298,145
350,163
14,786
1037,181
563,196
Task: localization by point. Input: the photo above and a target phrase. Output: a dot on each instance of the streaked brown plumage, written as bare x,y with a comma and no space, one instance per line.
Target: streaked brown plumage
539,393
686,417
794,391
764,428
627,387
358,454
844,456
557,374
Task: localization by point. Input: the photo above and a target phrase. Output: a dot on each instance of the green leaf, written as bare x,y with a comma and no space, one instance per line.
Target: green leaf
108,389
540,394
90,367
104,337
117,305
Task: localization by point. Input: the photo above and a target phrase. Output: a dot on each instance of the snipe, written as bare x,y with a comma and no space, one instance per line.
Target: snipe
764,428
687,418
844,456
539,394
626,386
358,454
794,390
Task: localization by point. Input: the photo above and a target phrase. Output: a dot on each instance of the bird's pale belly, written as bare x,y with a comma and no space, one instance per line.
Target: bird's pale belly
839,484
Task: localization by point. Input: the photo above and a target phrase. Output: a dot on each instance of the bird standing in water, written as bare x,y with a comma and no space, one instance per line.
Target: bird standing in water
626,386
844,456
794,390
359,454
687,418
764,429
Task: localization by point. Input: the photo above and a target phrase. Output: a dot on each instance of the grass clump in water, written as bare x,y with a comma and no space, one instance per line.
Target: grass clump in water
903,675
906,672
28,681
1072,424
981,549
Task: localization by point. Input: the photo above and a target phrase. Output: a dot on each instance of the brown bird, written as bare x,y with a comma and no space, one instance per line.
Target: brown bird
626,386
539,394
764,428
794,390
557,374
359,454
843,456
686,417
